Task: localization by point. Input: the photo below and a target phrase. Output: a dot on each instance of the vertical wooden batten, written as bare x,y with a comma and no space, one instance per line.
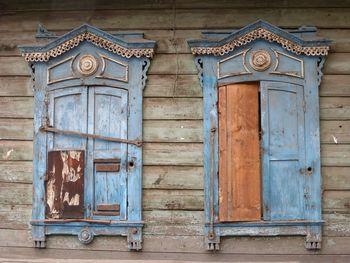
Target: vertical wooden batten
239,157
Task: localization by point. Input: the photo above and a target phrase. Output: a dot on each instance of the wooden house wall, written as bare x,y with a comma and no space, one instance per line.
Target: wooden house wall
173,160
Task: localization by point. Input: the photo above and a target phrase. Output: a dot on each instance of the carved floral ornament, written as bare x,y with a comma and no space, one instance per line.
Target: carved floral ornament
94,39
260,60
261,33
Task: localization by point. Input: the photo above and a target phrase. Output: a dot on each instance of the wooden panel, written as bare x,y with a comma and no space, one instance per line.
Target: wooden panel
156,4
335,155
16,171
180,244
334,108
172,177
336,178
336,201
18,129
335,85
173,200
15,216
15,86
172,108
16,194
16,107
172,86
239,153
283,155
168,154
65,185
335,132
16,150
185,18
173,63
171,131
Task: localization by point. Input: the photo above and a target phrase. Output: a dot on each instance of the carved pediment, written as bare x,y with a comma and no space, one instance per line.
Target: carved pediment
125,47
302,41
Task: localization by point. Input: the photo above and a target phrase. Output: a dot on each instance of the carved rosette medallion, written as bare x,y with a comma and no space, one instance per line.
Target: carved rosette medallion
87,65
260,60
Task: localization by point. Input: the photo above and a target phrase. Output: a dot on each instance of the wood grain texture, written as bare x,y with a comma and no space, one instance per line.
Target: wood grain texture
172,177
335,132
16,129
181,244
336,201
171,131
185,18
334,108
336,178
16,172
239,153
37,5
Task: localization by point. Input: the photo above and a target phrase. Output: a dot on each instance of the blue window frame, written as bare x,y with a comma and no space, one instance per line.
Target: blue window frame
88,88
288,70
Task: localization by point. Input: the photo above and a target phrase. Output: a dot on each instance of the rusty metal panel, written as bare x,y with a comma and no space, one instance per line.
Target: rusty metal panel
113,167
65,185
108,207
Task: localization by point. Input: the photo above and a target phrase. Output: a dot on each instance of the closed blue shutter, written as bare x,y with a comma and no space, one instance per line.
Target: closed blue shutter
283,150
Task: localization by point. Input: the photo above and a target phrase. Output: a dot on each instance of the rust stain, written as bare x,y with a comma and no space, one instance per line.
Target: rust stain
65,185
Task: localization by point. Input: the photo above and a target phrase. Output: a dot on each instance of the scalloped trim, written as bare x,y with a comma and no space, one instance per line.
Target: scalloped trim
261,33
92,38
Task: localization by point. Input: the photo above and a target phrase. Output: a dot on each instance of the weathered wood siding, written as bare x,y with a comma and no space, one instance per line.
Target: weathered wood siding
173,161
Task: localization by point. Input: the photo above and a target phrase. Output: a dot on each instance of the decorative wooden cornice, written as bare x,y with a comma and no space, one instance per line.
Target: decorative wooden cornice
260,30
97,37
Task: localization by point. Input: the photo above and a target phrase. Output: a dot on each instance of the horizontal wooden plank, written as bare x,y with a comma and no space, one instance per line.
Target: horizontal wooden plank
15,86
335,85
182,244
173,64
37,5
337,63
335,108
185,18
174,223
16,171
172,108
336,224
335,155
173,154
16,194
173,200
172,177
173,86
336,201
16,107
16,150
171,131
335,132
15,216
336,178
16,129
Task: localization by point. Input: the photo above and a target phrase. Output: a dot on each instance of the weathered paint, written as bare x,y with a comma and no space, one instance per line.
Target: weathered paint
290,127
88,100
65,184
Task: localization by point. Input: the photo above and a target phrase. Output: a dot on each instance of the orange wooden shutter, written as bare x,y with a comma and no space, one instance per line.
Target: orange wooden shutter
239,154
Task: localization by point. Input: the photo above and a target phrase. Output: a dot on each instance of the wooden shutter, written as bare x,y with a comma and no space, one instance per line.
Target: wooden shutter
282,121
239,154
65,184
